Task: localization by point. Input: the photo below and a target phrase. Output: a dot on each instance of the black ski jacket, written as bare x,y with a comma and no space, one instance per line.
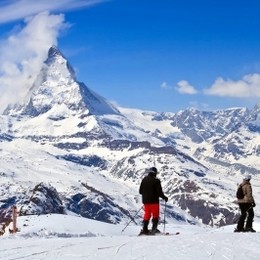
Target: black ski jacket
151,189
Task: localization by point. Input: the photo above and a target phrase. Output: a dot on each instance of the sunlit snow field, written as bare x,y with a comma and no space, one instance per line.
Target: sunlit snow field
71,237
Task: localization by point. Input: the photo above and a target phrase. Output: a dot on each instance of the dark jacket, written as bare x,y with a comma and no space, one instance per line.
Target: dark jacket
151,189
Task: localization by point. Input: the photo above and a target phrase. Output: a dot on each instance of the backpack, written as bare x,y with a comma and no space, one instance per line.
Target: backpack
240,193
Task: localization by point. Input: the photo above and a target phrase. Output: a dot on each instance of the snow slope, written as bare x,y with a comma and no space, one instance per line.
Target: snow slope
72,237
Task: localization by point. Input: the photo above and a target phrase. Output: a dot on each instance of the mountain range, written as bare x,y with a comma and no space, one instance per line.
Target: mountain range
65,149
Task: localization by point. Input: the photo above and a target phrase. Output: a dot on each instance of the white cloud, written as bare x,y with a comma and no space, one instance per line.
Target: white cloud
23,53
19,9
184,87
165,85
248,86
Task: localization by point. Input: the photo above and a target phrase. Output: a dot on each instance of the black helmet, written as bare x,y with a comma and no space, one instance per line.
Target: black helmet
153,170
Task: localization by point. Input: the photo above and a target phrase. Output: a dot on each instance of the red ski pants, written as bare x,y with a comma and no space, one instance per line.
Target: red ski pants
151,210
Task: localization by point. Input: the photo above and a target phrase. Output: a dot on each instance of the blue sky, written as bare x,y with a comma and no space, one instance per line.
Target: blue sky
154,55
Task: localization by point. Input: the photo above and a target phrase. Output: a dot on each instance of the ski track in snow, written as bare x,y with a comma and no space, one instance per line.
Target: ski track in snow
59,237
188,246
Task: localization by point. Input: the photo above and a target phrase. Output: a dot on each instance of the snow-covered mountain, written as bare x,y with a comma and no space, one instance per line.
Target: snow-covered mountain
66,148
55,87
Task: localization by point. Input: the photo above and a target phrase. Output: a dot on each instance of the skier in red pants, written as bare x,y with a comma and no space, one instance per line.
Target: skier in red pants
151,191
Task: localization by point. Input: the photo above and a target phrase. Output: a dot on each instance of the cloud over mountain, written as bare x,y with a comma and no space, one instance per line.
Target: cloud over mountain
184,87
20,9
23,52
247,87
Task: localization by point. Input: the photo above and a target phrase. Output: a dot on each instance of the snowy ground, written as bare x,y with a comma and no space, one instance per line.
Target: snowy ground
69,237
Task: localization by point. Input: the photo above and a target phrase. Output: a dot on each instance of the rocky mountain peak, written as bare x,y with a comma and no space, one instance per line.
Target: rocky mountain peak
56,86
54,51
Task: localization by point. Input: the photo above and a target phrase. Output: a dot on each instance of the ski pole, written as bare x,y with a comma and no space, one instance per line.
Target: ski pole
164,219
225,216
131,219
236,218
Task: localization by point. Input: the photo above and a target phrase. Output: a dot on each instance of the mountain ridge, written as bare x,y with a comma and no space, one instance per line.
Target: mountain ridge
71,139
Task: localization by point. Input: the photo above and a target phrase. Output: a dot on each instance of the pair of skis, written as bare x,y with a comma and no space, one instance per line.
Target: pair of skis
159,234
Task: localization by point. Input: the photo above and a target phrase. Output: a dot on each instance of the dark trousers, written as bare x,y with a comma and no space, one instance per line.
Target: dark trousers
247,213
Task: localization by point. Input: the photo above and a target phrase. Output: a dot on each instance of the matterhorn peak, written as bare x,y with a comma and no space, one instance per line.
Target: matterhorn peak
55,86
57,59
54,51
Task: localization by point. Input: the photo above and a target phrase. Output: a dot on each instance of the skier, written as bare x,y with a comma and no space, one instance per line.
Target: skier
151,191
246,205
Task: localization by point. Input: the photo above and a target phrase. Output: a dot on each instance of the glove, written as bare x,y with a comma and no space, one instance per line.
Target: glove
165,198
253,205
